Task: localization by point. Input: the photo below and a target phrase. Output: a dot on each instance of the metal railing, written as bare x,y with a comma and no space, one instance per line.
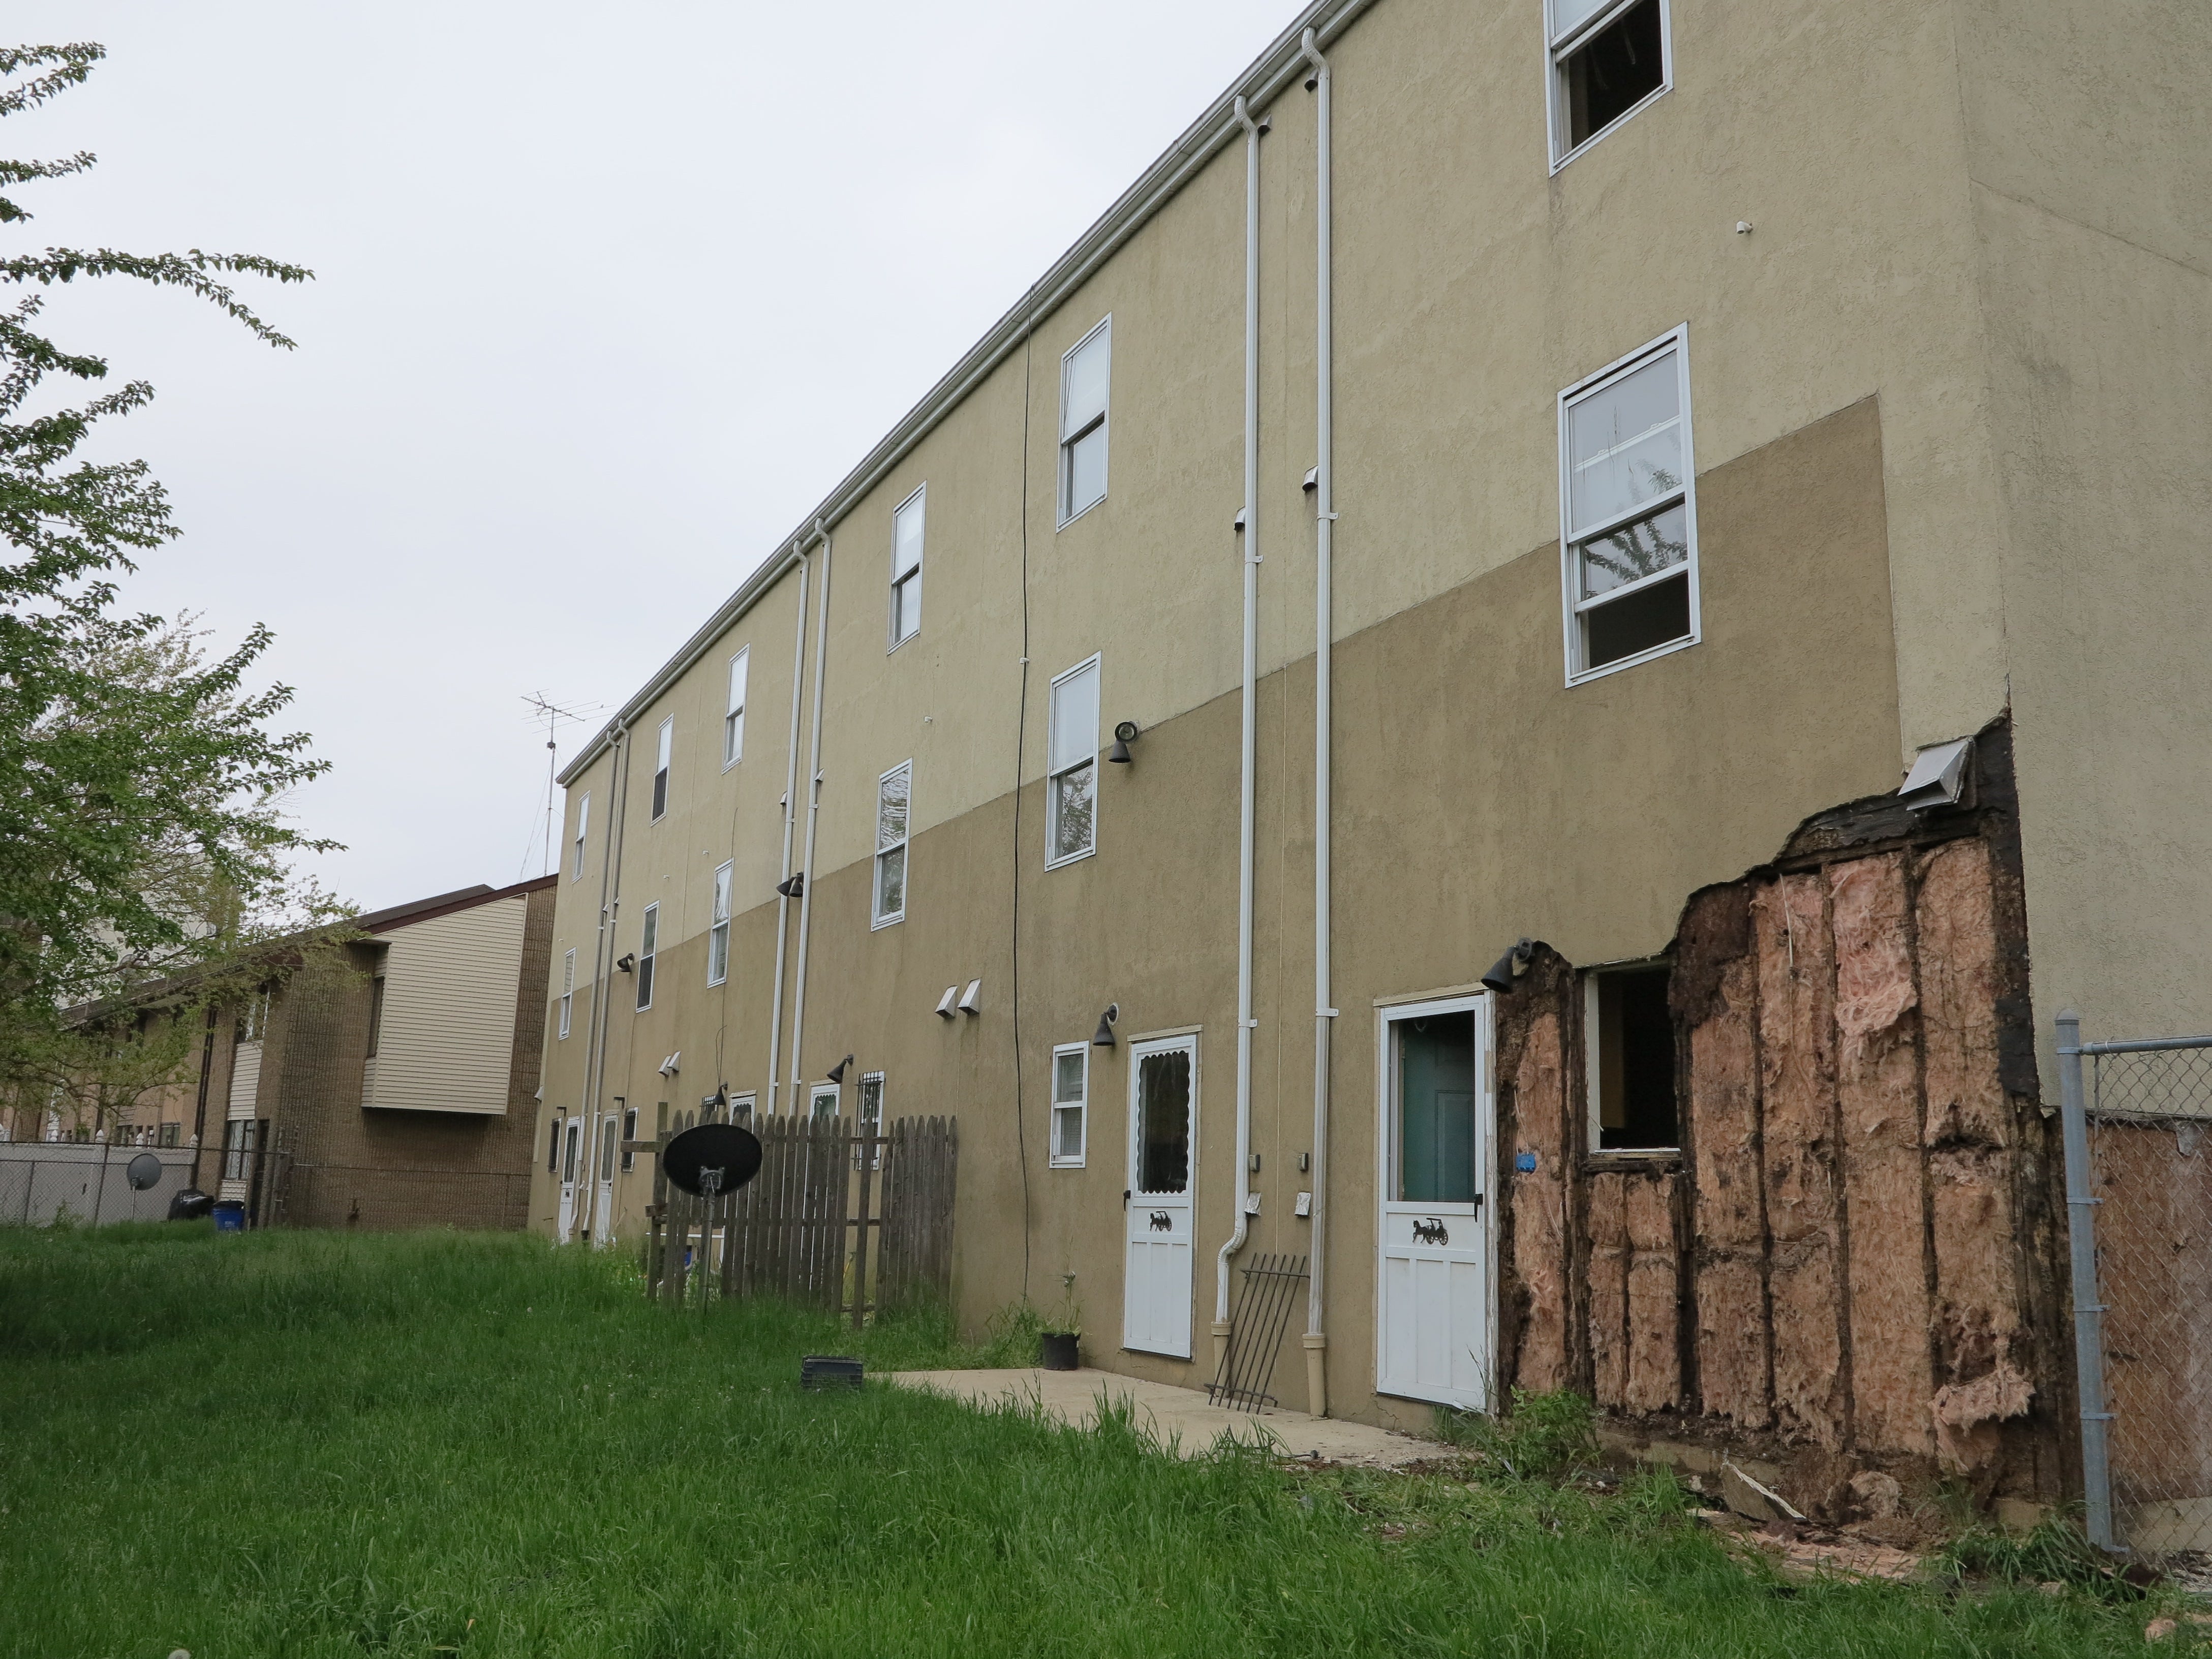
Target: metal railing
2137,1122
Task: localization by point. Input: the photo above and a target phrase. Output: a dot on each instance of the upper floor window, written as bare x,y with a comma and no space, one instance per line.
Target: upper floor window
1609,57
1628,511
733,722
894,795
375,1013
1085,375
1072,766
906,567
583,822
567,991
648,946
664,749
1629,1040
718,930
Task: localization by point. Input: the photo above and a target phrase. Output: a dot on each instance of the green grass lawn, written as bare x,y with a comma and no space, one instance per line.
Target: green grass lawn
317,1445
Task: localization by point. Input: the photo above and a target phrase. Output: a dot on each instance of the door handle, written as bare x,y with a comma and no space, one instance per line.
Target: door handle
1125,1198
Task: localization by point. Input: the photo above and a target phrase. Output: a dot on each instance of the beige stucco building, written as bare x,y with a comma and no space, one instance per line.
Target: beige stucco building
1715,405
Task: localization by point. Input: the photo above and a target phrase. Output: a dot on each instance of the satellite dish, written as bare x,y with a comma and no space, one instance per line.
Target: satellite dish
711,1158
142,1171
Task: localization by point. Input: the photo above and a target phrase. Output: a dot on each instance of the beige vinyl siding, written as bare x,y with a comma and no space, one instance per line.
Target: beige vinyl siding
244,1082
448,1039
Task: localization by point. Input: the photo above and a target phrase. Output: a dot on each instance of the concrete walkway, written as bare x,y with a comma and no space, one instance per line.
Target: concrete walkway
1180,1416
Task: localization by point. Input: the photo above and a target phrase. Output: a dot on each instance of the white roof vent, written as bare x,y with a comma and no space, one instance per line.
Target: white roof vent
1938,776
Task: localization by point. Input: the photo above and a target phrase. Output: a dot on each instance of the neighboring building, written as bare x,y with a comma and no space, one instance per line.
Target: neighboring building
1758,1146
388,1082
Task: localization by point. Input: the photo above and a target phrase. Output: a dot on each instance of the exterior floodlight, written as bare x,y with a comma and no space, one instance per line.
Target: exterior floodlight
792,886
836,1074
1124,734
626,964
1509,967
1103,1037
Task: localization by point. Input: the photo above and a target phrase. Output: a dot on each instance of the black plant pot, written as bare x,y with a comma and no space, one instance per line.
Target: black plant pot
1056,1350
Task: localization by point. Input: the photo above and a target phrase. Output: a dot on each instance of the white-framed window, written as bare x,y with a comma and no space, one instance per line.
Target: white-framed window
1086,378
906,526
742,1107
553,1145
664,748
872,1116
568,993
1628,1045
718,930
583,823
894,797
733,722
1072,766
822,1100
1628,511
1608,58
1071,1099
648,946
629,1135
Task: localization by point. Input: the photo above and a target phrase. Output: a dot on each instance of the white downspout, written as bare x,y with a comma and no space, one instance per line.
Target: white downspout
813,812
1249,521
1316,1343
790,818
603,959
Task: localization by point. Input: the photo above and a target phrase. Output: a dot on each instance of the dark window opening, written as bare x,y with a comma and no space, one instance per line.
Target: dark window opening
1650,617
630,1134
375,1013
553,1148
173,1135
1633,1044
1612,71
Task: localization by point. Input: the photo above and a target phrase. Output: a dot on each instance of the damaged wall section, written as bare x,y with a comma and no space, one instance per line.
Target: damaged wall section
1851,1262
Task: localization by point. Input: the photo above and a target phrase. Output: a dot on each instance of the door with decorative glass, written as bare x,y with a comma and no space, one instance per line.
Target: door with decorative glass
1156,1298
569,1147
1434,1294
603,1218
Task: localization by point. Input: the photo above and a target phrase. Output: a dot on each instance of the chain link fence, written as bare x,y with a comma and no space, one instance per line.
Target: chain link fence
2139,1194
45,1183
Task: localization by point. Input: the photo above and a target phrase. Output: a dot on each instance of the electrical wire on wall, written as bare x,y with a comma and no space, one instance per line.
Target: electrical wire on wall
1021,734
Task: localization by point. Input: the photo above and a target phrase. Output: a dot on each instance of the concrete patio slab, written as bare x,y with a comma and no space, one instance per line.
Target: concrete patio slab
1179,1417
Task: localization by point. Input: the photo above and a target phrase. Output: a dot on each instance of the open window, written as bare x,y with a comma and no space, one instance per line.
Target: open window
733,722
664,751
648,947
1628,1036
1608,58
1628,511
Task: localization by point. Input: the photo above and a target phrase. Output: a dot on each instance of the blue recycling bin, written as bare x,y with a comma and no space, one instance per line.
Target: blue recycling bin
230,1215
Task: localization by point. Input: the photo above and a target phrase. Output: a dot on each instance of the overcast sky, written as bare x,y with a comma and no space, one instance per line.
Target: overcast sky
607,297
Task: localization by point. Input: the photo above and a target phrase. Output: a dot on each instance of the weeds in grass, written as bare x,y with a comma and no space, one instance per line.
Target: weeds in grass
2056,1552
1542,1438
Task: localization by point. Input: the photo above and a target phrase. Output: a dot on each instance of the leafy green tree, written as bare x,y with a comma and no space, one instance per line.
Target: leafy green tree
140,781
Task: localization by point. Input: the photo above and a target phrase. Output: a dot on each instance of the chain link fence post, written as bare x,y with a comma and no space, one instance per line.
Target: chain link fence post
2088,1307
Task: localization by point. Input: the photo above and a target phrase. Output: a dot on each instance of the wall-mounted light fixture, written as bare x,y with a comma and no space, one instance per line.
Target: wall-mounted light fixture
1103,1037
1124,734
625,964
836,1074
1509,967
792,886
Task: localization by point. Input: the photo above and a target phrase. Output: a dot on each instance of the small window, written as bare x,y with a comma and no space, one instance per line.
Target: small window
1609,57
573,1140
741,1108
1628,511
647,945
1629,1039
568,993
894,791
375,1013
1071,1090
583,822
253,1018
629,1136
1072,766
872,1116
1086,376
172,1135
553,1147
718,930
906,568
733,722
666,748
822,1100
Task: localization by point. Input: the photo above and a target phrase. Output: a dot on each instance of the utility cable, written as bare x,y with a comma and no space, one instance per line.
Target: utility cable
1021,737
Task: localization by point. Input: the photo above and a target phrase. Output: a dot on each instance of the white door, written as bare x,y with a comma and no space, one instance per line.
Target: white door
1434,1295
568,1176
1162,1176
602,1218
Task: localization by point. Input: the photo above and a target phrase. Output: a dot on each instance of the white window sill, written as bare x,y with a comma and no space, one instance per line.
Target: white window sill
1618,122
1072,517
1070,858
882,922
1065,1163
1635,662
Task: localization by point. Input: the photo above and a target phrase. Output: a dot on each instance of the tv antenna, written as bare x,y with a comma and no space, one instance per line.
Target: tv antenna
543,708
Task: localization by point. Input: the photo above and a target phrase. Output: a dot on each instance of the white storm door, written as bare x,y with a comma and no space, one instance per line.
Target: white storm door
1435,1293
568,1149
602,1218
1155,1293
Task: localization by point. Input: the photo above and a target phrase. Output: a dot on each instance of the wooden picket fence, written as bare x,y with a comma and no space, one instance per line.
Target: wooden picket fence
837,1213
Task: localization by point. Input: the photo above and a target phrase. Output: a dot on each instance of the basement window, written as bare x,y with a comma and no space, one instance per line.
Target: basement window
1609,58
1629,1038
1628,511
